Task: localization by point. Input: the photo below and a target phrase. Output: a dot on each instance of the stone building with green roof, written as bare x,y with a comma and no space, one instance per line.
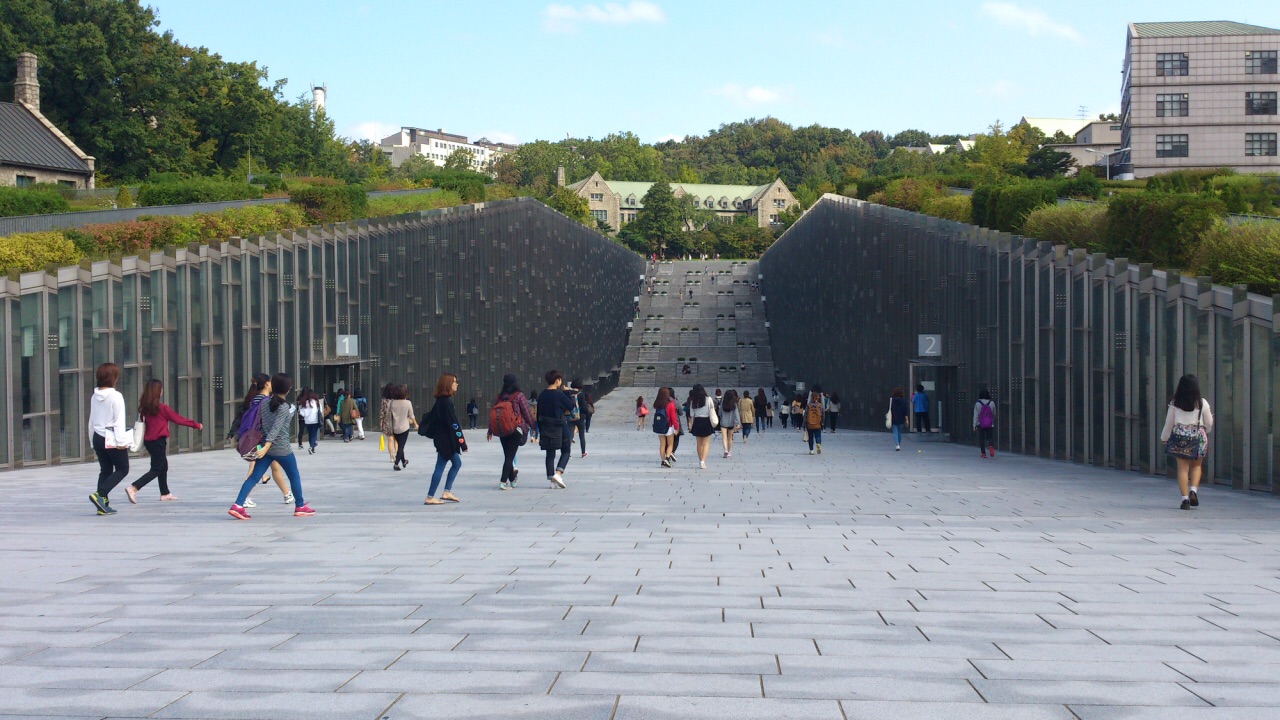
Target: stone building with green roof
616,202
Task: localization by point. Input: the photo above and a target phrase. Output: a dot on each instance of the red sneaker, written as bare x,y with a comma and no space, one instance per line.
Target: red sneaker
303,511
238,512
992,450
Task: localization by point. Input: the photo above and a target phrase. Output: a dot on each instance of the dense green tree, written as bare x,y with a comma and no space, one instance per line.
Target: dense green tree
1046,162
459,159
660,221
569,203
910,138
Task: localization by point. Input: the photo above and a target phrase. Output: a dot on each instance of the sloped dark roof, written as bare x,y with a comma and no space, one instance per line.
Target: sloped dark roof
24,140
1205,28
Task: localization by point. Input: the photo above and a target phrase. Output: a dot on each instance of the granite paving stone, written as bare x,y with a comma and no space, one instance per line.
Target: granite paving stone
862,583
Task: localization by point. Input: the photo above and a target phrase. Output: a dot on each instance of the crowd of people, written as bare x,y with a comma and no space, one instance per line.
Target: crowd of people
557,418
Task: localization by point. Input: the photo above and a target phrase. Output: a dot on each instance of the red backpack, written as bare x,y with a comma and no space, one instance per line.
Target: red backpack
502,418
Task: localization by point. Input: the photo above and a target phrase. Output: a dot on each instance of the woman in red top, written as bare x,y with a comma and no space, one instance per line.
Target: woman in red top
157,417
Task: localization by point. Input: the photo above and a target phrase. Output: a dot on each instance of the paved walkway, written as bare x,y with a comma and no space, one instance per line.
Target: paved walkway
861,583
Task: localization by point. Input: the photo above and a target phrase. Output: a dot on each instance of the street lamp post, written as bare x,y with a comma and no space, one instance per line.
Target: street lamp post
1107,156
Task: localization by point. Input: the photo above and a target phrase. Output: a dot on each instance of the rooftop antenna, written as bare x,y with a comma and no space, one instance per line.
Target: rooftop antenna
1084,112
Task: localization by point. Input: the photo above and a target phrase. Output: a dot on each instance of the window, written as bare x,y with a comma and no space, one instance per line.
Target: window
779,204
1115,128
1259,103
1172,146
773,220
1171,64
597,197
1260,62
1171,105
600,215
1260,144
67,183
26,181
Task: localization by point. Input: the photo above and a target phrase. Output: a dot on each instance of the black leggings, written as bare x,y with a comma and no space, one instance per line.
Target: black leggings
581,427
159,465
113,465
510,444
401,438
986,438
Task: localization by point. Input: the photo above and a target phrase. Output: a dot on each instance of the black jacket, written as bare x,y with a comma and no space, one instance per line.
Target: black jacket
447,430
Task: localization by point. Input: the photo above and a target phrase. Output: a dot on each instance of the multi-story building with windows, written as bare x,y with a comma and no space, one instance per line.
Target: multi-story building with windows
617,202
1199,95
438,145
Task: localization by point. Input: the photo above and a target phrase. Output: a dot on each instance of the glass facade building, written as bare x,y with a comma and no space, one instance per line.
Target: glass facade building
1080,351
480,290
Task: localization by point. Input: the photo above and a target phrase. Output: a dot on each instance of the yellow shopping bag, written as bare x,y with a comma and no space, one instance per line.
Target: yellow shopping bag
382,443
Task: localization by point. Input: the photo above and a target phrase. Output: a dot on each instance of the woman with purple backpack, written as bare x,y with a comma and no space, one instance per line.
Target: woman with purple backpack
984,423
259,392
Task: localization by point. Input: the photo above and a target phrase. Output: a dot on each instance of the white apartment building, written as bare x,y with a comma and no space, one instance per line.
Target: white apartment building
1199,95
438,145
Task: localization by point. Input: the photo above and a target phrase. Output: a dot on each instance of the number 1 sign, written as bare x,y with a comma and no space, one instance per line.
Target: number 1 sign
348,345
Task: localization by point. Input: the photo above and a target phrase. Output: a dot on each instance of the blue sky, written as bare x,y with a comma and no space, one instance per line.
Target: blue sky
525,70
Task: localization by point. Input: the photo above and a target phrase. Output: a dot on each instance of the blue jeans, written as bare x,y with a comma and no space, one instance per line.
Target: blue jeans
312,430
441,460
815,436
760,423
288,463
897,433
746,430
347,430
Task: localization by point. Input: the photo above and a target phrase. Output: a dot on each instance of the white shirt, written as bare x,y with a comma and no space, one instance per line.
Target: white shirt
106,412
1176,416
310,412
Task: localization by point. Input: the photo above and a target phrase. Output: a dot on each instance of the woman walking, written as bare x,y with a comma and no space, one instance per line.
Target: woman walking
899,415
747,414
784,412
555,433
760,404
641,412
814,417
310,414
702,422
473,413
157,416
106,434
833,411
728,420
510,408
448,439
663,414
920,407
400,419
384,420
348,413
768,414
1187,425
361,411
797,411
984,423
583,421
276,417
259,393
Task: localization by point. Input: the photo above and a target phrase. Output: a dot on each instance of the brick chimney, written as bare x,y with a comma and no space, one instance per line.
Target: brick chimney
26,89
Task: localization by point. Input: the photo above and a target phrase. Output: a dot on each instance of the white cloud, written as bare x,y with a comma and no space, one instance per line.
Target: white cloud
1034,22
371,130
744,96
671,136
998,89
566,18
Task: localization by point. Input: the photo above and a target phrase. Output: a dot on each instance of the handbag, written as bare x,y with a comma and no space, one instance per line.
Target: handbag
123,440
139,432
715,418
1189,442
888,416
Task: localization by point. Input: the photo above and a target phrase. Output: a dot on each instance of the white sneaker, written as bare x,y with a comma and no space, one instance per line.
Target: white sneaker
558,481
703,464
810,452
249,503
503,486
288,499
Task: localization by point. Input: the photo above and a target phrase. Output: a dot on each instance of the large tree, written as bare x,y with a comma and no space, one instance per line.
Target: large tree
659,222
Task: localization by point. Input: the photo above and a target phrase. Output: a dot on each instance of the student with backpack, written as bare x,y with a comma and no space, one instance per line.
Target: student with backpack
1187,425
259,393
899,415
274,420
361,412
473,413
815,415
663,412
510,420
675,417
554,432
984,422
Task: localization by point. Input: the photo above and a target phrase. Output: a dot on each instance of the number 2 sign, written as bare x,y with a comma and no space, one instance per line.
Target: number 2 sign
930,345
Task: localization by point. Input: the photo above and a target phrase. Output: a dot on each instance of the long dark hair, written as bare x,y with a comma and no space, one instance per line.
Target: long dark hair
697,396
389,391
760,398
730,401
640,402
149,403
1187,396
510,385
306,397
281,384
256,385
660,402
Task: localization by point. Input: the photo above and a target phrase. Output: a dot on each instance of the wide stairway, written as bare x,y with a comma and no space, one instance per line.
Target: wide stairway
702,323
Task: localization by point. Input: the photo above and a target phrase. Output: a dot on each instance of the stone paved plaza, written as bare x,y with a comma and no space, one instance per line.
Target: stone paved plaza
861,583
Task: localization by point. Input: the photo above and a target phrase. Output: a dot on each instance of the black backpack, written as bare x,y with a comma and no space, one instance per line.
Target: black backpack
426,426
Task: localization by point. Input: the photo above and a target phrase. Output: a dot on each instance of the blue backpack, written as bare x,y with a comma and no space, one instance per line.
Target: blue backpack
660,423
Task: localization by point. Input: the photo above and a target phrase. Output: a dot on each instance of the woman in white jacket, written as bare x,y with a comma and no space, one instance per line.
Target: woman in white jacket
1187,425
106,428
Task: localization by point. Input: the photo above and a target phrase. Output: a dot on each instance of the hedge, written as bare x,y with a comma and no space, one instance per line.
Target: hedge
1247,254
153,233
26,252
331,204
195,190
909,193
1159,228
950,207
29,201
1077,225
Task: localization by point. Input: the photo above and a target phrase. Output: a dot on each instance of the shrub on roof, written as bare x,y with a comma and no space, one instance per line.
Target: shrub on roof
29,201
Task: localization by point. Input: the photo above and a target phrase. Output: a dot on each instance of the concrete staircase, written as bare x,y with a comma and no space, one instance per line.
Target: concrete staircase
718,332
